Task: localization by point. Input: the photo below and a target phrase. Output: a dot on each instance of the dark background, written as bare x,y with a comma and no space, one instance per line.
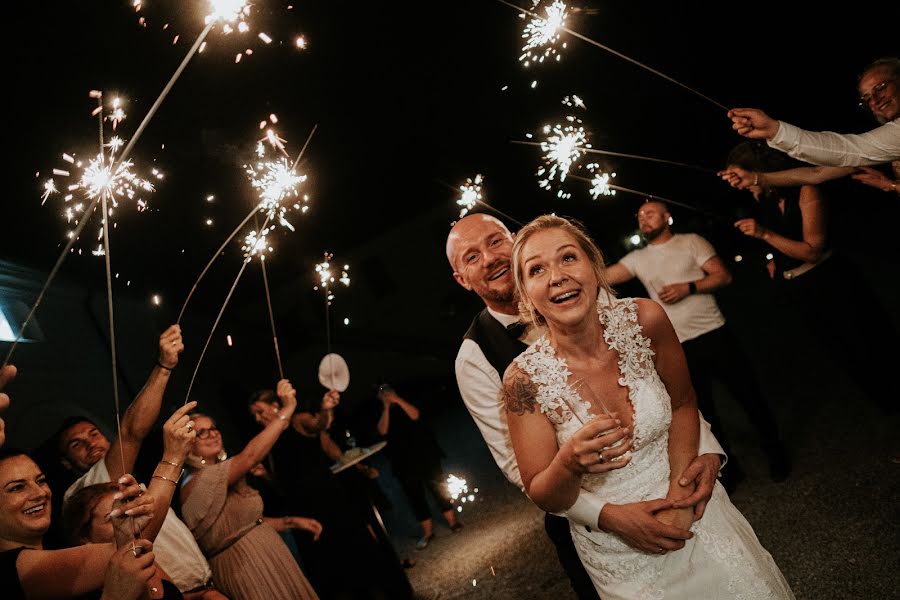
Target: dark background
409,100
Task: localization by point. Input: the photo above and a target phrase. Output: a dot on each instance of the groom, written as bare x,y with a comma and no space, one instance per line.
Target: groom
478,249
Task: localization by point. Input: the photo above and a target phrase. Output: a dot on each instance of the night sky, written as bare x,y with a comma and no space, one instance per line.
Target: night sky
409,100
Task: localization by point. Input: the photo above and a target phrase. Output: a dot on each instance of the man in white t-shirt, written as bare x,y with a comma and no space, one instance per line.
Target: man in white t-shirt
84,449
681,272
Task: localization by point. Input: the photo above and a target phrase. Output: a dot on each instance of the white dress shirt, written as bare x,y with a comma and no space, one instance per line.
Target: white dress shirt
480,385
880,145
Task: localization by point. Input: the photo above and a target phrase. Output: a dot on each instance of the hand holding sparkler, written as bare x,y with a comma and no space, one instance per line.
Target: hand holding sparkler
130,571
171,345
288,397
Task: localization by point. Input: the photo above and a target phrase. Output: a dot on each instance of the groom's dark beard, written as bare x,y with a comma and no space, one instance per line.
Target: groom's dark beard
500,297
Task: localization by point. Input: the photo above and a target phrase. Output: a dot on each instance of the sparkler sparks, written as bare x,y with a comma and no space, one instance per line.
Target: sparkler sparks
600,182
327,277
229,11
471,194
574,101
564,146
542,34
458,489
101,175
256,244
275,180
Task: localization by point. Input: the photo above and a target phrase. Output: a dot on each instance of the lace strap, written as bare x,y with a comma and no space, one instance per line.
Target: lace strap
550,376
622,333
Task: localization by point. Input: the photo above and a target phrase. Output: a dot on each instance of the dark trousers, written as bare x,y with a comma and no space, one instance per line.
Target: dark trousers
558,531
414,482
717,355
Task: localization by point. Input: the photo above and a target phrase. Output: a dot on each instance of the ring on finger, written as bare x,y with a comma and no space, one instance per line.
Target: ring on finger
600,459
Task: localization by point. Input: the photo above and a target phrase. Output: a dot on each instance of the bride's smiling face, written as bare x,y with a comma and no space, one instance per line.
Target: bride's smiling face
558,277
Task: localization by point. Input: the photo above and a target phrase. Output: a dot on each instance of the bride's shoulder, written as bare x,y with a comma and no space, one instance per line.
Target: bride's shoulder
651,316
519,393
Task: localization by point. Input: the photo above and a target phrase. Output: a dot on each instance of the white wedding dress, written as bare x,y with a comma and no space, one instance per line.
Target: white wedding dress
724,559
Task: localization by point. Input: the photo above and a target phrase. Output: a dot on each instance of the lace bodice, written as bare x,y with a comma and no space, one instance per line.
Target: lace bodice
568,411
724,559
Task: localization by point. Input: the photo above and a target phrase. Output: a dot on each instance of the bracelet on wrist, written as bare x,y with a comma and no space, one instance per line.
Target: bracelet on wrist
162,366
169,462
172,481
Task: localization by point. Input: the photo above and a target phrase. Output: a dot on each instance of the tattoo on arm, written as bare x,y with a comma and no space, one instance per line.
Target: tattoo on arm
519,393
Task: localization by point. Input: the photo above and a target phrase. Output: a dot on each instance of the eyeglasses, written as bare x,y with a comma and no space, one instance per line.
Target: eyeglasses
876,92
205,433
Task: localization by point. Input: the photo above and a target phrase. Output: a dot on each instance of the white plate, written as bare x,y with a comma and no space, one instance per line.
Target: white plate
334,373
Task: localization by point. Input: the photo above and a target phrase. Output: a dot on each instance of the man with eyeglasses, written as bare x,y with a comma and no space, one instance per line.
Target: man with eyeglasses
479,248
879,92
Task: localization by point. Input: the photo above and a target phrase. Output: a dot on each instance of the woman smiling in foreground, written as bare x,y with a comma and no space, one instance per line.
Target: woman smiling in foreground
609,382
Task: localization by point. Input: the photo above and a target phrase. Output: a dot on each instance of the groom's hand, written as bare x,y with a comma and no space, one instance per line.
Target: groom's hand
637,525
702,471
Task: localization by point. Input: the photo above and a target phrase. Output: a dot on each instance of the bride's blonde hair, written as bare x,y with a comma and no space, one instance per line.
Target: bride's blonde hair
574,229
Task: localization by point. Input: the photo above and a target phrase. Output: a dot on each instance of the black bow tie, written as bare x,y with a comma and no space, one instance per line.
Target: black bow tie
515,330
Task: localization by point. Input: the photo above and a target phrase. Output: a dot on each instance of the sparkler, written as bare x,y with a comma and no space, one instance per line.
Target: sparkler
100,176
270,214
563,148
255,244
104,177
326,279
458,489
234,18
548,29
226,11
614,188
600,185
471,193
542,33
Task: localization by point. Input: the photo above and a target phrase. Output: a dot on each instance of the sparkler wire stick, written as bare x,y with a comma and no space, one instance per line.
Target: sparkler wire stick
215,324
109,305
234,233
328,324
653,197
62,257
262,263
620,55
109,294
501,213
635,156
218,318
122,158
488,206
213,259
165,92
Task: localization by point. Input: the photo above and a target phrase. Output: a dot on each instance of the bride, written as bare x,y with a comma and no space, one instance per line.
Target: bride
609,382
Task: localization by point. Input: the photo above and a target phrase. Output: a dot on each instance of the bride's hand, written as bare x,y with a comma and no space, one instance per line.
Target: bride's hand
600,446
682,518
